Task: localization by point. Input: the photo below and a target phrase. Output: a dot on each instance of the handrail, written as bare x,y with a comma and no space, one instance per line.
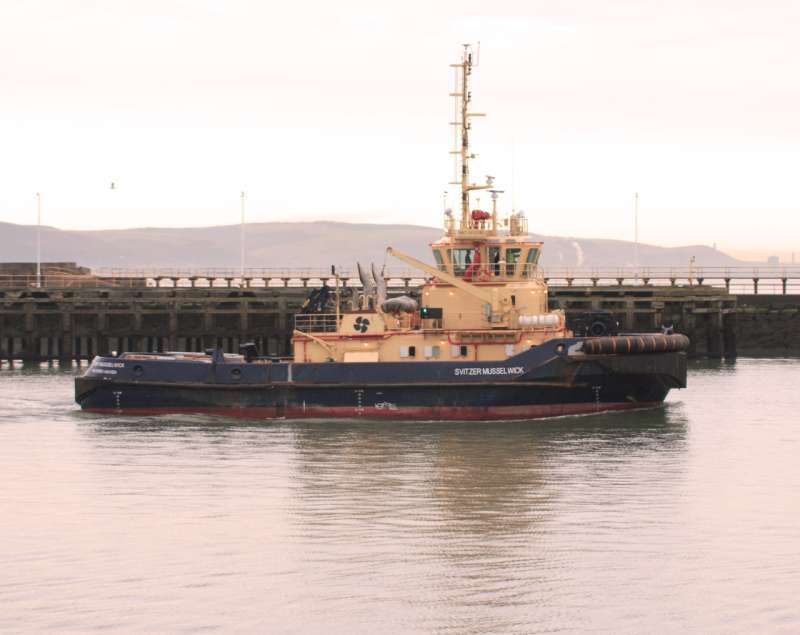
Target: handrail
778,271
317,322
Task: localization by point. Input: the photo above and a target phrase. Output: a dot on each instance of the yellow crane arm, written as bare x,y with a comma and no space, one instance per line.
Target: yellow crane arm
485,295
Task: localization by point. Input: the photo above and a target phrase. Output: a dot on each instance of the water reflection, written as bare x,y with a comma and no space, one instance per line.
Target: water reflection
477,480
481,478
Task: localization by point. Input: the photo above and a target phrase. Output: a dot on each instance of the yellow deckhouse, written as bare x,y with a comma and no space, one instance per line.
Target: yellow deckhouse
483,300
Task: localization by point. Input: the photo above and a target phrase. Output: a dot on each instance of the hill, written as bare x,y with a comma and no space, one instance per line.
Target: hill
306,245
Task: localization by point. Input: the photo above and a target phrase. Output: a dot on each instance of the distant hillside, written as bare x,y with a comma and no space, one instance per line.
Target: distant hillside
301,245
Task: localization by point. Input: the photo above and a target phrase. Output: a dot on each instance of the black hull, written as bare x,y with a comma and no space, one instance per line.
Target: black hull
542,382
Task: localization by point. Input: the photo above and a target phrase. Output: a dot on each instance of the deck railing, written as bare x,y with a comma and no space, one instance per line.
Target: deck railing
317,322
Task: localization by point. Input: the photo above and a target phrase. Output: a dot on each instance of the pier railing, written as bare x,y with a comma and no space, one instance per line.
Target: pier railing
748,280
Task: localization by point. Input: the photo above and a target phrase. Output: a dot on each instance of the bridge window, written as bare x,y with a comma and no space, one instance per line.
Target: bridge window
462,258
494,258
512,258
531,261
437,254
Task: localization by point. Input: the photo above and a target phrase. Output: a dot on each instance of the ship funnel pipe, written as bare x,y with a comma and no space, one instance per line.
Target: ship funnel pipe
380,284
366,280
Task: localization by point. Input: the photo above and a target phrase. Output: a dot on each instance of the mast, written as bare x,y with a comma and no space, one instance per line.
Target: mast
463,97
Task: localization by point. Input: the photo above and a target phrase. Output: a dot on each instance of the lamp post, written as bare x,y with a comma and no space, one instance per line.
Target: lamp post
38,240
241,246
636,238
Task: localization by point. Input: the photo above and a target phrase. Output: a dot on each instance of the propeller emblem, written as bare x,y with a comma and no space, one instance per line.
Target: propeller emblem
361,324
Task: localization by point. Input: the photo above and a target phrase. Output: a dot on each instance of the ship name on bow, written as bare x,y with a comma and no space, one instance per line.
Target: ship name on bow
497,370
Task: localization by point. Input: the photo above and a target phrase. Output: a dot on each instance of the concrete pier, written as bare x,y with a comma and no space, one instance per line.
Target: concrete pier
56,323
72,324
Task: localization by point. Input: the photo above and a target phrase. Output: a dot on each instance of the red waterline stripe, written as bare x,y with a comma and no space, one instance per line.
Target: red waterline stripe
448,413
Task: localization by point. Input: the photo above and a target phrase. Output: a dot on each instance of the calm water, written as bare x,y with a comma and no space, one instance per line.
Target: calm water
685,518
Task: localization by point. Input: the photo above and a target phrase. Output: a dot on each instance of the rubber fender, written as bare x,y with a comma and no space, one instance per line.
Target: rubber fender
634,344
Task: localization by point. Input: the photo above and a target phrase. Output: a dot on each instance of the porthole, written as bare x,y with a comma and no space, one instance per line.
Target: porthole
236,373
138,370
560,348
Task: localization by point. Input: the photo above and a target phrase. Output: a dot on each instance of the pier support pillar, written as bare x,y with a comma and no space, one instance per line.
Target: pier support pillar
172,343
244,322
284,321
716,342
102,347
66,351
30,344
30,348
630,316
729,335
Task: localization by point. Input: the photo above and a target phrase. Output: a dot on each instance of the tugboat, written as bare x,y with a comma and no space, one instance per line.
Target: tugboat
478,342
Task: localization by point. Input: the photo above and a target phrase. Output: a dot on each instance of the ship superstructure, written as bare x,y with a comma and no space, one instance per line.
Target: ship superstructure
483,300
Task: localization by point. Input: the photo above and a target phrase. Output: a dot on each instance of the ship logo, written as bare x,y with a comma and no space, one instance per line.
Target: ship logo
361,324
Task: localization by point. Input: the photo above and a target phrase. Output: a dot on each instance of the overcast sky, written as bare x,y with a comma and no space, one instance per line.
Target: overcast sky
339,110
